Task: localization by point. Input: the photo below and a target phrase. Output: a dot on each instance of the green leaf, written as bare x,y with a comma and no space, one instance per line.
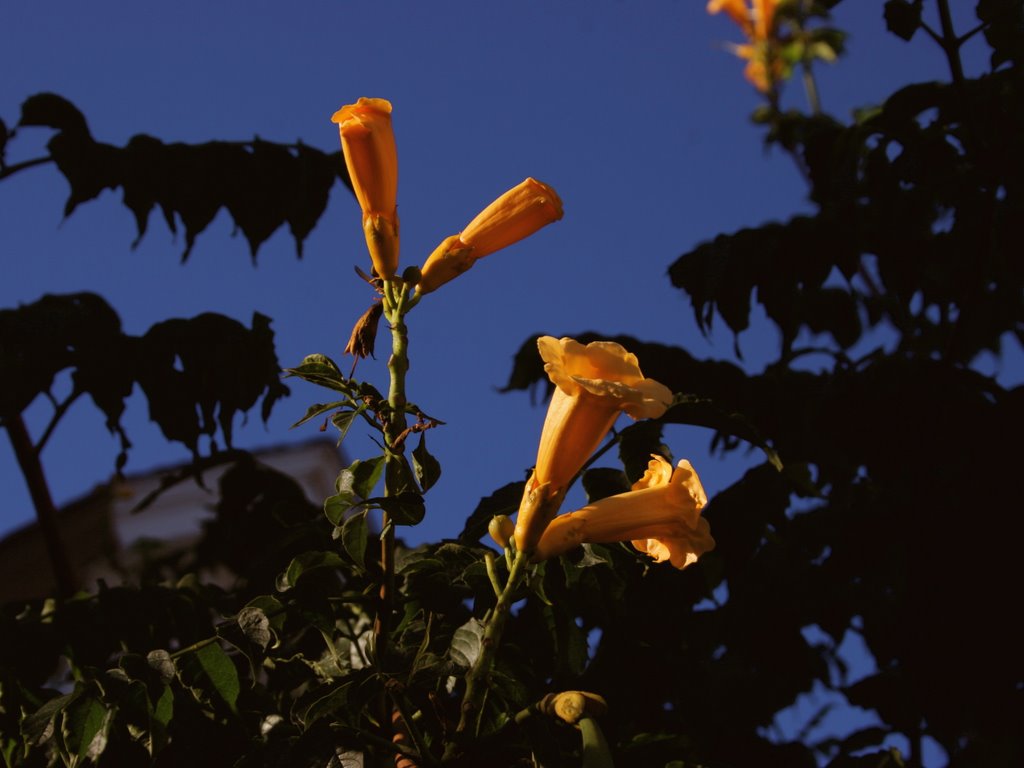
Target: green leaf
315,410
84,729
361,477
210,671
327,704
428,469
467,641
321,370
38,727
343,421
404,509
337,505
399,478
303,564
354,535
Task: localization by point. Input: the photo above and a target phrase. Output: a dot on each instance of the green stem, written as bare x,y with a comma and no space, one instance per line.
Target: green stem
477,677
395,306
595,749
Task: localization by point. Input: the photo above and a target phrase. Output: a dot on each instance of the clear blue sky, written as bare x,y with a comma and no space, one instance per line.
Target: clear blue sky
633,111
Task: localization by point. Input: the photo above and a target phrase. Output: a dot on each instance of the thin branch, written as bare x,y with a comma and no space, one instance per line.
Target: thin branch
59,410
932,33
46,512
950,44
10,170
968,35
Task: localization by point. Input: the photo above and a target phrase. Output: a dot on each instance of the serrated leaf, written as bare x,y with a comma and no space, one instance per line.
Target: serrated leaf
303,564
354,535
428,468
467,641
208,672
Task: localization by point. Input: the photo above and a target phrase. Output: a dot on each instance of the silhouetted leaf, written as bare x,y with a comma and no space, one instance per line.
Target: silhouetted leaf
903,17
504,501
601,482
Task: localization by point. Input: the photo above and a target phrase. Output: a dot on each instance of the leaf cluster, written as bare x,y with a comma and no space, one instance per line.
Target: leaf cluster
262,184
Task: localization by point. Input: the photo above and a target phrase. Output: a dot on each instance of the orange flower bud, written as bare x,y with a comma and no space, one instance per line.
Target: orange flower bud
449,260
516,214
368,144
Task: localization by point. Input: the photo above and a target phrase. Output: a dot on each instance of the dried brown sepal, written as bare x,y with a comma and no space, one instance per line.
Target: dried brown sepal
375,281
364,334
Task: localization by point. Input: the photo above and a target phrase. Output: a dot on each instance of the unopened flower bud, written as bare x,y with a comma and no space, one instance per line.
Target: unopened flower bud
501,528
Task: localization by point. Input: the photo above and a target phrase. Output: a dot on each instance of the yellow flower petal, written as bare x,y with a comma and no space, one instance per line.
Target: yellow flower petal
660,516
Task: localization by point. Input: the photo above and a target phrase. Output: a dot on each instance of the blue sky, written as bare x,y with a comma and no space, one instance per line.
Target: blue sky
633,111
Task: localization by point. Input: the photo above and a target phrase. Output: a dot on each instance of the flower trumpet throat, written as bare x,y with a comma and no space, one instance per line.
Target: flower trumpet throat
593,385
660,516
368,144
517,214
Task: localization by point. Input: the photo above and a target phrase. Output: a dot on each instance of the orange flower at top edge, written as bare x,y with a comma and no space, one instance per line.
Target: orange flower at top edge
518,213
737,10
593,384
756,21
660,516
371,157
